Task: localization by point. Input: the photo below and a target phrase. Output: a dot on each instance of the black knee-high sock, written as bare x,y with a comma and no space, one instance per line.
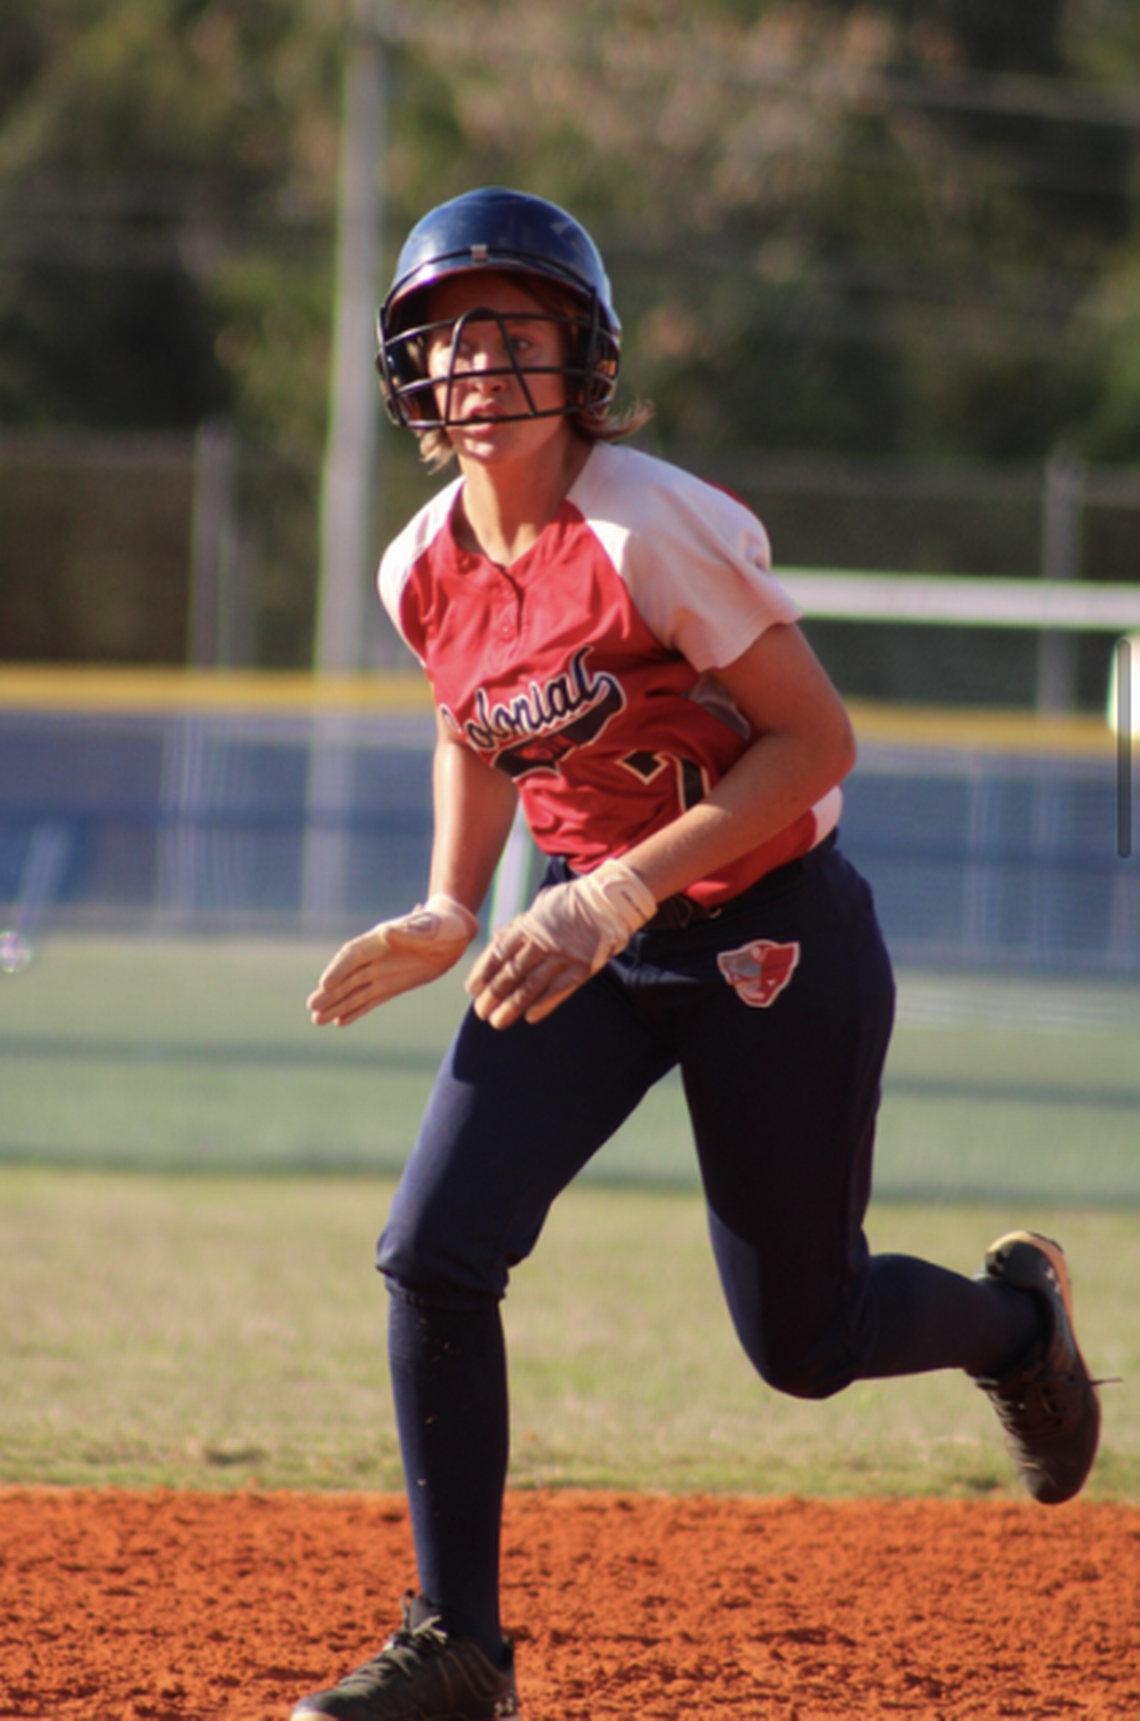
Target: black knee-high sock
449,1382
928,1317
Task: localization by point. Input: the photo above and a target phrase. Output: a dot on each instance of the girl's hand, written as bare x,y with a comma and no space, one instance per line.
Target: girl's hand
568,933
394,957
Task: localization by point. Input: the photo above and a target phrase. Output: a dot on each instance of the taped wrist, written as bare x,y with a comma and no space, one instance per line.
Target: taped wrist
437,928
621,903
454,921
593,917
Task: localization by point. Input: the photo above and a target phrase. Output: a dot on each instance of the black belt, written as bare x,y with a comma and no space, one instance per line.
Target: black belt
679,911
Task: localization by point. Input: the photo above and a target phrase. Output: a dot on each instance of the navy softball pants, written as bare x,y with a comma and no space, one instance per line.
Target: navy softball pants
778,1014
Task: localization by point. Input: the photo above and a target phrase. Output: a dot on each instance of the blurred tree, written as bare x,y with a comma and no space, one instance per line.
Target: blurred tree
896,225
147,147
836,226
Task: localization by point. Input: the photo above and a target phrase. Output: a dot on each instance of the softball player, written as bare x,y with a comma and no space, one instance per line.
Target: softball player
606,645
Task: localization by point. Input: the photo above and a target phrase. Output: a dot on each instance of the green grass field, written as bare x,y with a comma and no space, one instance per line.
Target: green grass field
192,1178
199,1054
217,1331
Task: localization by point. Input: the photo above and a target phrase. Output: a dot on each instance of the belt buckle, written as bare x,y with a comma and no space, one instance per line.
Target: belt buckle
683,912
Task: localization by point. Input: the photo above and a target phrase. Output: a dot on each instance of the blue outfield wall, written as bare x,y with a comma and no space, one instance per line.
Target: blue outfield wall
320,821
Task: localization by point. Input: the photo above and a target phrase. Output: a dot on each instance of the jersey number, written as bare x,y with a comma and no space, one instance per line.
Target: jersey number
692,783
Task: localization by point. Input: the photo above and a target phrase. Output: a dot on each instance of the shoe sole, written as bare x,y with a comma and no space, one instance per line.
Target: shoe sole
1055,1255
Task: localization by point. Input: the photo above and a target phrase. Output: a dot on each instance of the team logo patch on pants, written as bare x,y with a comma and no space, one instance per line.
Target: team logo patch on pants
759,970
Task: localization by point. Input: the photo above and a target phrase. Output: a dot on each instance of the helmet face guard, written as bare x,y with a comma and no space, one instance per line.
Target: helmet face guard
419,402
499,232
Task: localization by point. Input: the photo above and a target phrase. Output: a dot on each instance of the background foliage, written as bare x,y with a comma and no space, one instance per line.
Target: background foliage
888,227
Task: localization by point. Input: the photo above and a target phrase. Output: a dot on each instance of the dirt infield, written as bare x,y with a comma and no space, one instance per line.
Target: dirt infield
183,1607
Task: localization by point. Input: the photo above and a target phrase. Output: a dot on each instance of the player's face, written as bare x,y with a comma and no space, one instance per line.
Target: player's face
497,360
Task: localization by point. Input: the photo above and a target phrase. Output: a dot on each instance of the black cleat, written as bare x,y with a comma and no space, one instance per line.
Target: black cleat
421,1674
1047,1402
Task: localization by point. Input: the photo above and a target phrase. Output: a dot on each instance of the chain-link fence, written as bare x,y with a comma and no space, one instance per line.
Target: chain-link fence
175,549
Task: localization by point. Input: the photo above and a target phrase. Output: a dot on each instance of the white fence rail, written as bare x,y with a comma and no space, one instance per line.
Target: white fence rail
963,601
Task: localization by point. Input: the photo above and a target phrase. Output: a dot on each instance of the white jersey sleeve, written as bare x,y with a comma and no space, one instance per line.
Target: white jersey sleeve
405,551
695,560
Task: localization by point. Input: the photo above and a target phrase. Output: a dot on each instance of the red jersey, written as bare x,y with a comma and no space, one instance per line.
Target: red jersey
587,669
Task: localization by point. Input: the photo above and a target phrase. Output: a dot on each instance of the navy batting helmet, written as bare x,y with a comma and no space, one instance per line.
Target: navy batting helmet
511,232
